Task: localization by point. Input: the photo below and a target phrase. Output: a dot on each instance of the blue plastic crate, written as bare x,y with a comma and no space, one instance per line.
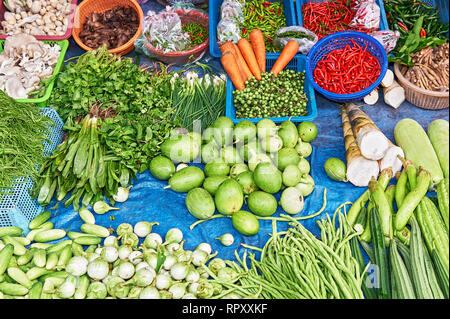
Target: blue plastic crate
214,18
339,40
299,3
442,6
298,64
18,208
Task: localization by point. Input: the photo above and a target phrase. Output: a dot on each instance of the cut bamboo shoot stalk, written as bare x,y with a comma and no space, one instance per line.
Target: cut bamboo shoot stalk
372,143
372,97
388,79
394,95
391,159
359,169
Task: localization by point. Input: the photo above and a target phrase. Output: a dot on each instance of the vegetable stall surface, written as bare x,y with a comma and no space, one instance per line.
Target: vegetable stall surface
23,130
348,70
265,16
112,28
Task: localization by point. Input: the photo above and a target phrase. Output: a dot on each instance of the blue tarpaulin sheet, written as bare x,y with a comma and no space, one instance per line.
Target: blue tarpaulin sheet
149,201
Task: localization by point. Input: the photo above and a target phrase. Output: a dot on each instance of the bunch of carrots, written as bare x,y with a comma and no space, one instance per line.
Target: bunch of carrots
247,59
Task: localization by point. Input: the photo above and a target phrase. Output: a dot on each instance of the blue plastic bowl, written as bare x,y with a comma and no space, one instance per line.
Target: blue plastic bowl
338,41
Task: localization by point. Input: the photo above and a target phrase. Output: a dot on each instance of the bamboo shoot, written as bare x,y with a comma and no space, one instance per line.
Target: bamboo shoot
372,143
359,169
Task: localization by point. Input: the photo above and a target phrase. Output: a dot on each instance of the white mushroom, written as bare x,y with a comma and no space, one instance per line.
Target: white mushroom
14,88
32,81
10,17
36,7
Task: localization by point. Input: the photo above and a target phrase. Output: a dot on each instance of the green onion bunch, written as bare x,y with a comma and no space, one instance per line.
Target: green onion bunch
198,99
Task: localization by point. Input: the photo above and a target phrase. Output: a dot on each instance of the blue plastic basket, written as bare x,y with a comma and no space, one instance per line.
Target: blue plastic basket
339,40
18,208
298,64
214,17
442,5
299,3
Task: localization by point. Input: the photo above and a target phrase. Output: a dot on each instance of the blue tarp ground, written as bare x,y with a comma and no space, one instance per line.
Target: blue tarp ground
149,201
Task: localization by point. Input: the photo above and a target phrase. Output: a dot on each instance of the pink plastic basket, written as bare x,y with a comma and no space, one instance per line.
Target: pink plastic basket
184,57
67,35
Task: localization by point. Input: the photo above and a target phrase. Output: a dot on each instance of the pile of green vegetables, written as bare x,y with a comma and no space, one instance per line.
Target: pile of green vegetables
241,161
295,264
23,131
403,271
135,264
100,77
100,157
419,26
198,34
273,96
408,218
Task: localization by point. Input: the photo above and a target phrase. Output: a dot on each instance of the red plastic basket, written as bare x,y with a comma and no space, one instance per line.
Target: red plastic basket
45,37
189,56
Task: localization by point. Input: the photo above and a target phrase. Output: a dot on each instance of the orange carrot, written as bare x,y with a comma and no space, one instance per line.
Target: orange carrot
242,65
259,47
227,46
231,67
288,53
249,56
245,69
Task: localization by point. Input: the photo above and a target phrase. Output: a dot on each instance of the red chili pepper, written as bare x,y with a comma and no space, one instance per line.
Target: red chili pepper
423,33
403,26
358,70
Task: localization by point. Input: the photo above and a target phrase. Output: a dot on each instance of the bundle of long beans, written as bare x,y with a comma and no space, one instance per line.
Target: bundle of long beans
23,130
296,265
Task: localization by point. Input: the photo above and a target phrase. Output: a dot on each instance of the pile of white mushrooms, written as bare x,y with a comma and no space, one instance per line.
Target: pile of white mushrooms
36,17
24,62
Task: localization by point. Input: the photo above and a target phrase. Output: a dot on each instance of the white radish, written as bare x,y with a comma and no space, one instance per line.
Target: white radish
372,97
394,95
388,79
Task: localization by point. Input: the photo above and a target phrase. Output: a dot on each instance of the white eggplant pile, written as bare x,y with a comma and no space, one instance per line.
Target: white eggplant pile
135,263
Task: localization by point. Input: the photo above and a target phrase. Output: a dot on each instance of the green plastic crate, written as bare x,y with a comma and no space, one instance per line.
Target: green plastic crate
42,101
